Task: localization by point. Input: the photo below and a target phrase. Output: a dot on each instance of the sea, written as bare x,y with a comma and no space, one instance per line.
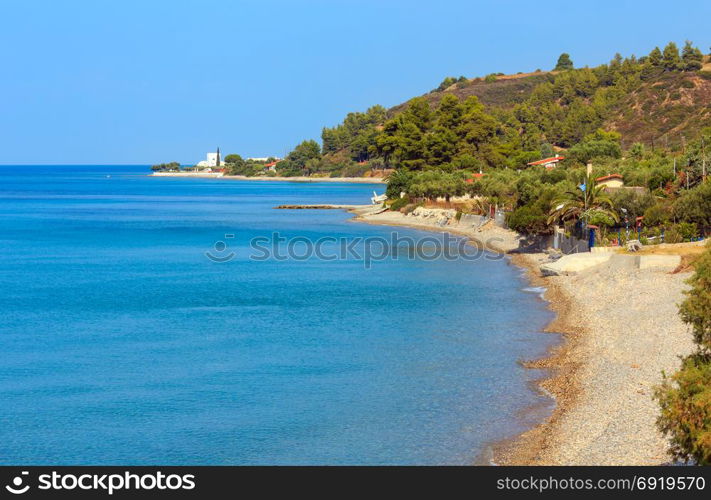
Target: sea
176,321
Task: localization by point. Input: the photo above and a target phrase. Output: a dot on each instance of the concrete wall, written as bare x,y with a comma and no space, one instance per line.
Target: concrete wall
612,183
567,244
471,220
500,219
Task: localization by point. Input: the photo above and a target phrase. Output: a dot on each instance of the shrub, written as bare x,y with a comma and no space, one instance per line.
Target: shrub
694,205
399,203
447,82
696,308
528,220
657,215
685,401
687,230
409,208
355,170
672,235
685,397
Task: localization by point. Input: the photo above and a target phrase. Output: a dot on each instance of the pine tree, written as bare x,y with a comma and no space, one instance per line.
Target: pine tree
655,57
692,58
564,62
670,57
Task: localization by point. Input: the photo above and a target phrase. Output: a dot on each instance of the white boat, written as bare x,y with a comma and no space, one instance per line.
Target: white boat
378,198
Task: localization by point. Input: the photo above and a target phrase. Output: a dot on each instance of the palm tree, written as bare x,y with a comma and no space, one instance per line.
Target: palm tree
583,204
398,181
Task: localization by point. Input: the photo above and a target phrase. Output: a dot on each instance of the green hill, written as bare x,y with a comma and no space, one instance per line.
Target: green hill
658,101
664,111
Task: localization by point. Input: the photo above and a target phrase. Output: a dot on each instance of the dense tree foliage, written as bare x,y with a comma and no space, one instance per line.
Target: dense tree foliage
356,134
234,159
303,160
453,133
600,144
566,110
173,166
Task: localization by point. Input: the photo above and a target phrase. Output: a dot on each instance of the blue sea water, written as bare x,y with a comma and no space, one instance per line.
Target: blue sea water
122,343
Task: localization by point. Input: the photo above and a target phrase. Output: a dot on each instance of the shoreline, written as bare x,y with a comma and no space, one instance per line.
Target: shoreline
602,373
561,380
219,175
520,448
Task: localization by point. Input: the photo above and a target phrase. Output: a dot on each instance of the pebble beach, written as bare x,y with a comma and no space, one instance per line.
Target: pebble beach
622,332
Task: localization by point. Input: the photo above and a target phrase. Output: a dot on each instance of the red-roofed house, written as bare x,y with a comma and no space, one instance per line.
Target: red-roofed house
551,162
475,177
270,166
610,181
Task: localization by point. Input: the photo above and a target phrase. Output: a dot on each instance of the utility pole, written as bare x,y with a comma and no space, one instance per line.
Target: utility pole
703,159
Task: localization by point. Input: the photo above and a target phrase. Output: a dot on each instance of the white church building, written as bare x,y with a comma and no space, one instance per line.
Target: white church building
213,161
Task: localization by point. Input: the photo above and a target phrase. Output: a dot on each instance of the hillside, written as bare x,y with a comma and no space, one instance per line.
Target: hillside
505,92
660,101
666,111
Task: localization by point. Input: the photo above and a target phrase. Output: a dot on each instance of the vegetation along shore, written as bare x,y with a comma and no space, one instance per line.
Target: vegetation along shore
219,175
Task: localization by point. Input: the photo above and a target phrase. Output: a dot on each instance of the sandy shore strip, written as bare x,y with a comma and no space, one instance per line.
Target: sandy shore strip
621,330
490,237
219,175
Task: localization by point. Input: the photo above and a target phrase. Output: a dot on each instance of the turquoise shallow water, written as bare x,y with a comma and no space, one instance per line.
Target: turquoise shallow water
121,342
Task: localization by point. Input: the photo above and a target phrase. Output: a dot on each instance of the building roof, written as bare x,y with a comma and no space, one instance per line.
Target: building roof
552,159
608,177
474,177
271,164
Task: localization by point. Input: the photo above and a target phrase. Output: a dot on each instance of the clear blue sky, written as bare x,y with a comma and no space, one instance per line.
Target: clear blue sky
150,81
